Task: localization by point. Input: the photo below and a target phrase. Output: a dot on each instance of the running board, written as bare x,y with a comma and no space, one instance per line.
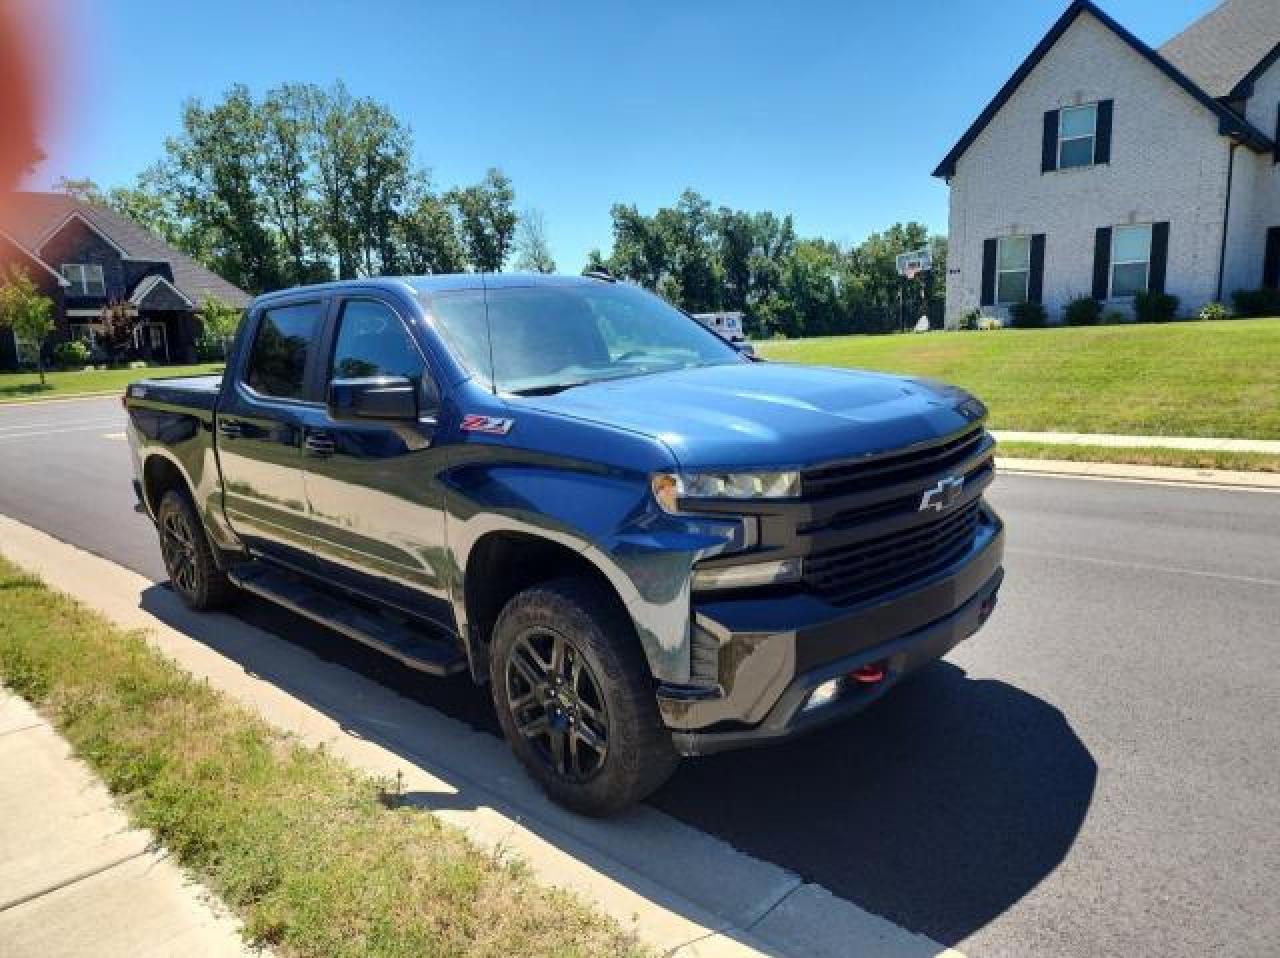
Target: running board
433,656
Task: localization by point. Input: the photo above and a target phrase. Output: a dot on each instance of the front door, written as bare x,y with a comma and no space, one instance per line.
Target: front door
376,504
259,433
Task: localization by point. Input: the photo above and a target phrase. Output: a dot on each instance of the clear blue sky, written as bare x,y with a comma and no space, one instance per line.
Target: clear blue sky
836,112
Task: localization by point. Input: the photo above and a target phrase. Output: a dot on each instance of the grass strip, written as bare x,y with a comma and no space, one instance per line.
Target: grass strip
25,386
1175,379
1183,458
316,858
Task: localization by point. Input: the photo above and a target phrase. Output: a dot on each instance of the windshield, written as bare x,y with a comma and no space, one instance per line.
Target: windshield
541,339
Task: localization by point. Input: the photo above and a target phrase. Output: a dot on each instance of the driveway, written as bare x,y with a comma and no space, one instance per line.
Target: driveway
1097,772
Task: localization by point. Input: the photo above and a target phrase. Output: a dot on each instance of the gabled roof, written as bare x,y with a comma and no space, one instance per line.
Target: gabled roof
148,286
74,216
1230,123
1223,50
62,280
30,218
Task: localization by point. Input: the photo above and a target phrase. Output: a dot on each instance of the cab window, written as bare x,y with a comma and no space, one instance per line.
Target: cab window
372,341
278,360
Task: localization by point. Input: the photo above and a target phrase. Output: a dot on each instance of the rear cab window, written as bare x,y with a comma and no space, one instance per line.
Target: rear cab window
282,346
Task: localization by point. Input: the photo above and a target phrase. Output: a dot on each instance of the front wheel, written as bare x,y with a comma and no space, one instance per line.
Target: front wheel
575,698
193,573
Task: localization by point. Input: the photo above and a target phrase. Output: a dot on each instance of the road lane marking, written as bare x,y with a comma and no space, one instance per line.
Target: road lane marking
55,432
35,426
113,435
1144,566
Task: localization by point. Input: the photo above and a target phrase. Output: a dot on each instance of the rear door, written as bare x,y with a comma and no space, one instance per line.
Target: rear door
376,503
260,425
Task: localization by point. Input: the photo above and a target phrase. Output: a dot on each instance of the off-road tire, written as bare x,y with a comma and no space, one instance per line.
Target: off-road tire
193,573
639,755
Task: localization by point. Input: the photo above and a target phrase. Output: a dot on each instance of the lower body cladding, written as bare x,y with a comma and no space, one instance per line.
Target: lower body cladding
778,667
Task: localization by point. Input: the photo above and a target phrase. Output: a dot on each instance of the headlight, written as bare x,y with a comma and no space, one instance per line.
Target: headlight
747,576
669,487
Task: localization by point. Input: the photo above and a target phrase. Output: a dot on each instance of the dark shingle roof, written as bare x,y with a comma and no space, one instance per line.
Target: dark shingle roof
1221,49
30,217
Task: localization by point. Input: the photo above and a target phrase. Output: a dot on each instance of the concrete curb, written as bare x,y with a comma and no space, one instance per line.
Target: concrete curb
1194,443
681,890
1217,478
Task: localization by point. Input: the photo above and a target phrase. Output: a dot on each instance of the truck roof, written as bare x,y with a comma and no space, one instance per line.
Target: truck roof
437,282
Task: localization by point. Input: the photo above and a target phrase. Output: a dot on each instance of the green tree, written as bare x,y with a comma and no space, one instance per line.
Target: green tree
427,236
84,189
288,141
486,220
533,252
27,311
213,167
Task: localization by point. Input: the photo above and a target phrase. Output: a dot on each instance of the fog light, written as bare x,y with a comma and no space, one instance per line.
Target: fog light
824,694
747,575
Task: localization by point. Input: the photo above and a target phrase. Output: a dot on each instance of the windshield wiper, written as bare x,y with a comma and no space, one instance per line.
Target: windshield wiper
549,390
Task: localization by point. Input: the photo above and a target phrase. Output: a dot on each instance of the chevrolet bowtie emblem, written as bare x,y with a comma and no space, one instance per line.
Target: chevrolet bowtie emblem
944,495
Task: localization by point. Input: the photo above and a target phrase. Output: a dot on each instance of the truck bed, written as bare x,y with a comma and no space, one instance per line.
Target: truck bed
189,392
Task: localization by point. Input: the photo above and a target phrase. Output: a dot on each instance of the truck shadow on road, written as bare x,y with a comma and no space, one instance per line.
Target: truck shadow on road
938,808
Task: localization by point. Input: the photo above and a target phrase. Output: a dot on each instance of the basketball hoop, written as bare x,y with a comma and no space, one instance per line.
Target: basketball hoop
910,265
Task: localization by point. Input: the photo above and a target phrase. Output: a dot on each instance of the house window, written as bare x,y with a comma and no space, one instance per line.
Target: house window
1077,129
85,279
1130,260
1013,269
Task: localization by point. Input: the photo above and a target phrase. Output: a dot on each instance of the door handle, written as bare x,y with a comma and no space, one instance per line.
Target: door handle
229,428
319,444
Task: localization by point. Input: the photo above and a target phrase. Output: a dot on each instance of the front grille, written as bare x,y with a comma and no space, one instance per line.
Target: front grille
843,478
882,564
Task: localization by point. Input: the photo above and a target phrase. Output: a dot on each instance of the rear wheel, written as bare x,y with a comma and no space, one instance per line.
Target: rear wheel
188,558
575,698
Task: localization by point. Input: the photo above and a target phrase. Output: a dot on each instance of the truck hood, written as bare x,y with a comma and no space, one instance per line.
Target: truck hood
770,415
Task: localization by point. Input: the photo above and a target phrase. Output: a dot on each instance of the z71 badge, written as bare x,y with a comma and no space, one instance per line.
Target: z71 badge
494,425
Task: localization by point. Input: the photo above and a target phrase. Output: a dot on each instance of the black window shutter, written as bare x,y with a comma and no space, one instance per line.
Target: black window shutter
1049,145
1101,262
1271,261
1102,139
1035,282
1159,256
988,272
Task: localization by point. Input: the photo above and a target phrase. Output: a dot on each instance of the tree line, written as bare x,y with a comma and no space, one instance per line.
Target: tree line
715,259
307,184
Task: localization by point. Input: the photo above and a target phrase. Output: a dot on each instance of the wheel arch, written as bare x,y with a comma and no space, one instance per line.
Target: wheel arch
502,564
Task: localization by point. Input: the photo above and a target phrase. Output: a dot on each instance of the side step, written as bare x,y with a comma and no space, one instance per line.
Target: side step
434,656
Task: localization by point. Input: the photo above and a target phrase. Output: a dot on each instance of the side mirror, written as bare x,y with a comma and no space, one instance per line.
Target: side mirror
745,348
387,398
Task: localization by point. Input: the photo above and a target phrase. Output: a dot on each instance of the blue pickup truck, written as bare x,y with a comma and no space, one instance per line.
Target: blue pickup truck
646,543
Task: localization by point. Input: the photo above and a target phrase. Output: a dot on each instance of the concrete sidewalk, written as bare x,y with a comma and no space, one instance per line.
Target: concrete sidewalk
75,878
1271,446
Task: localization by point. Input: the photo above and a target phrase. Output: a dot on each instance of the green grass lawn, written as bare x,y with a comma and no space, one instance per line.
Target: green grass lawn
316,858
1181,379
16,387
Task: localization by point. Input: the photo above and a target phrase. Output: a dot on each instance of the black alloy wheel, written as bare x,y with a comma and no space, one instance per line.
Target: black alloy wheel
178,547
556,703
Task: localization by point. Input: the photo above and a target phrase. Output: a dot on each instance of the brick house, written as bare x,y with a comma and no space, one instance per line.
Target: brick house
1104,167
85,257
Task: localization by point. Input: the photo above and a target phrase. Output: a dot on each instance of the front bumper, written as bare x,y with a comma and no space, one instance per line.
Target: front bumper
771,654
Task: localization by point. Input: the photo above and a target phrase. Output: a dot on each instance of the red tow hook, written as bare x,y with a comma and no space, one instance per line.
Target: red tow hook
868,674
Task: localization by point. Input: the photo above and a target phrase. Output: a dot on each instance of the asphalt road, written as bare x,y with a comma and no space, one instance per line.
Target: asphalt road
1098,772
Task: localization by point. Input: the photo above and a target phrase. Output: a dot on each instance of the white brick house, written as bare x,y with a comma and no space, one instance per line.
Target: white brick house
1103,167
